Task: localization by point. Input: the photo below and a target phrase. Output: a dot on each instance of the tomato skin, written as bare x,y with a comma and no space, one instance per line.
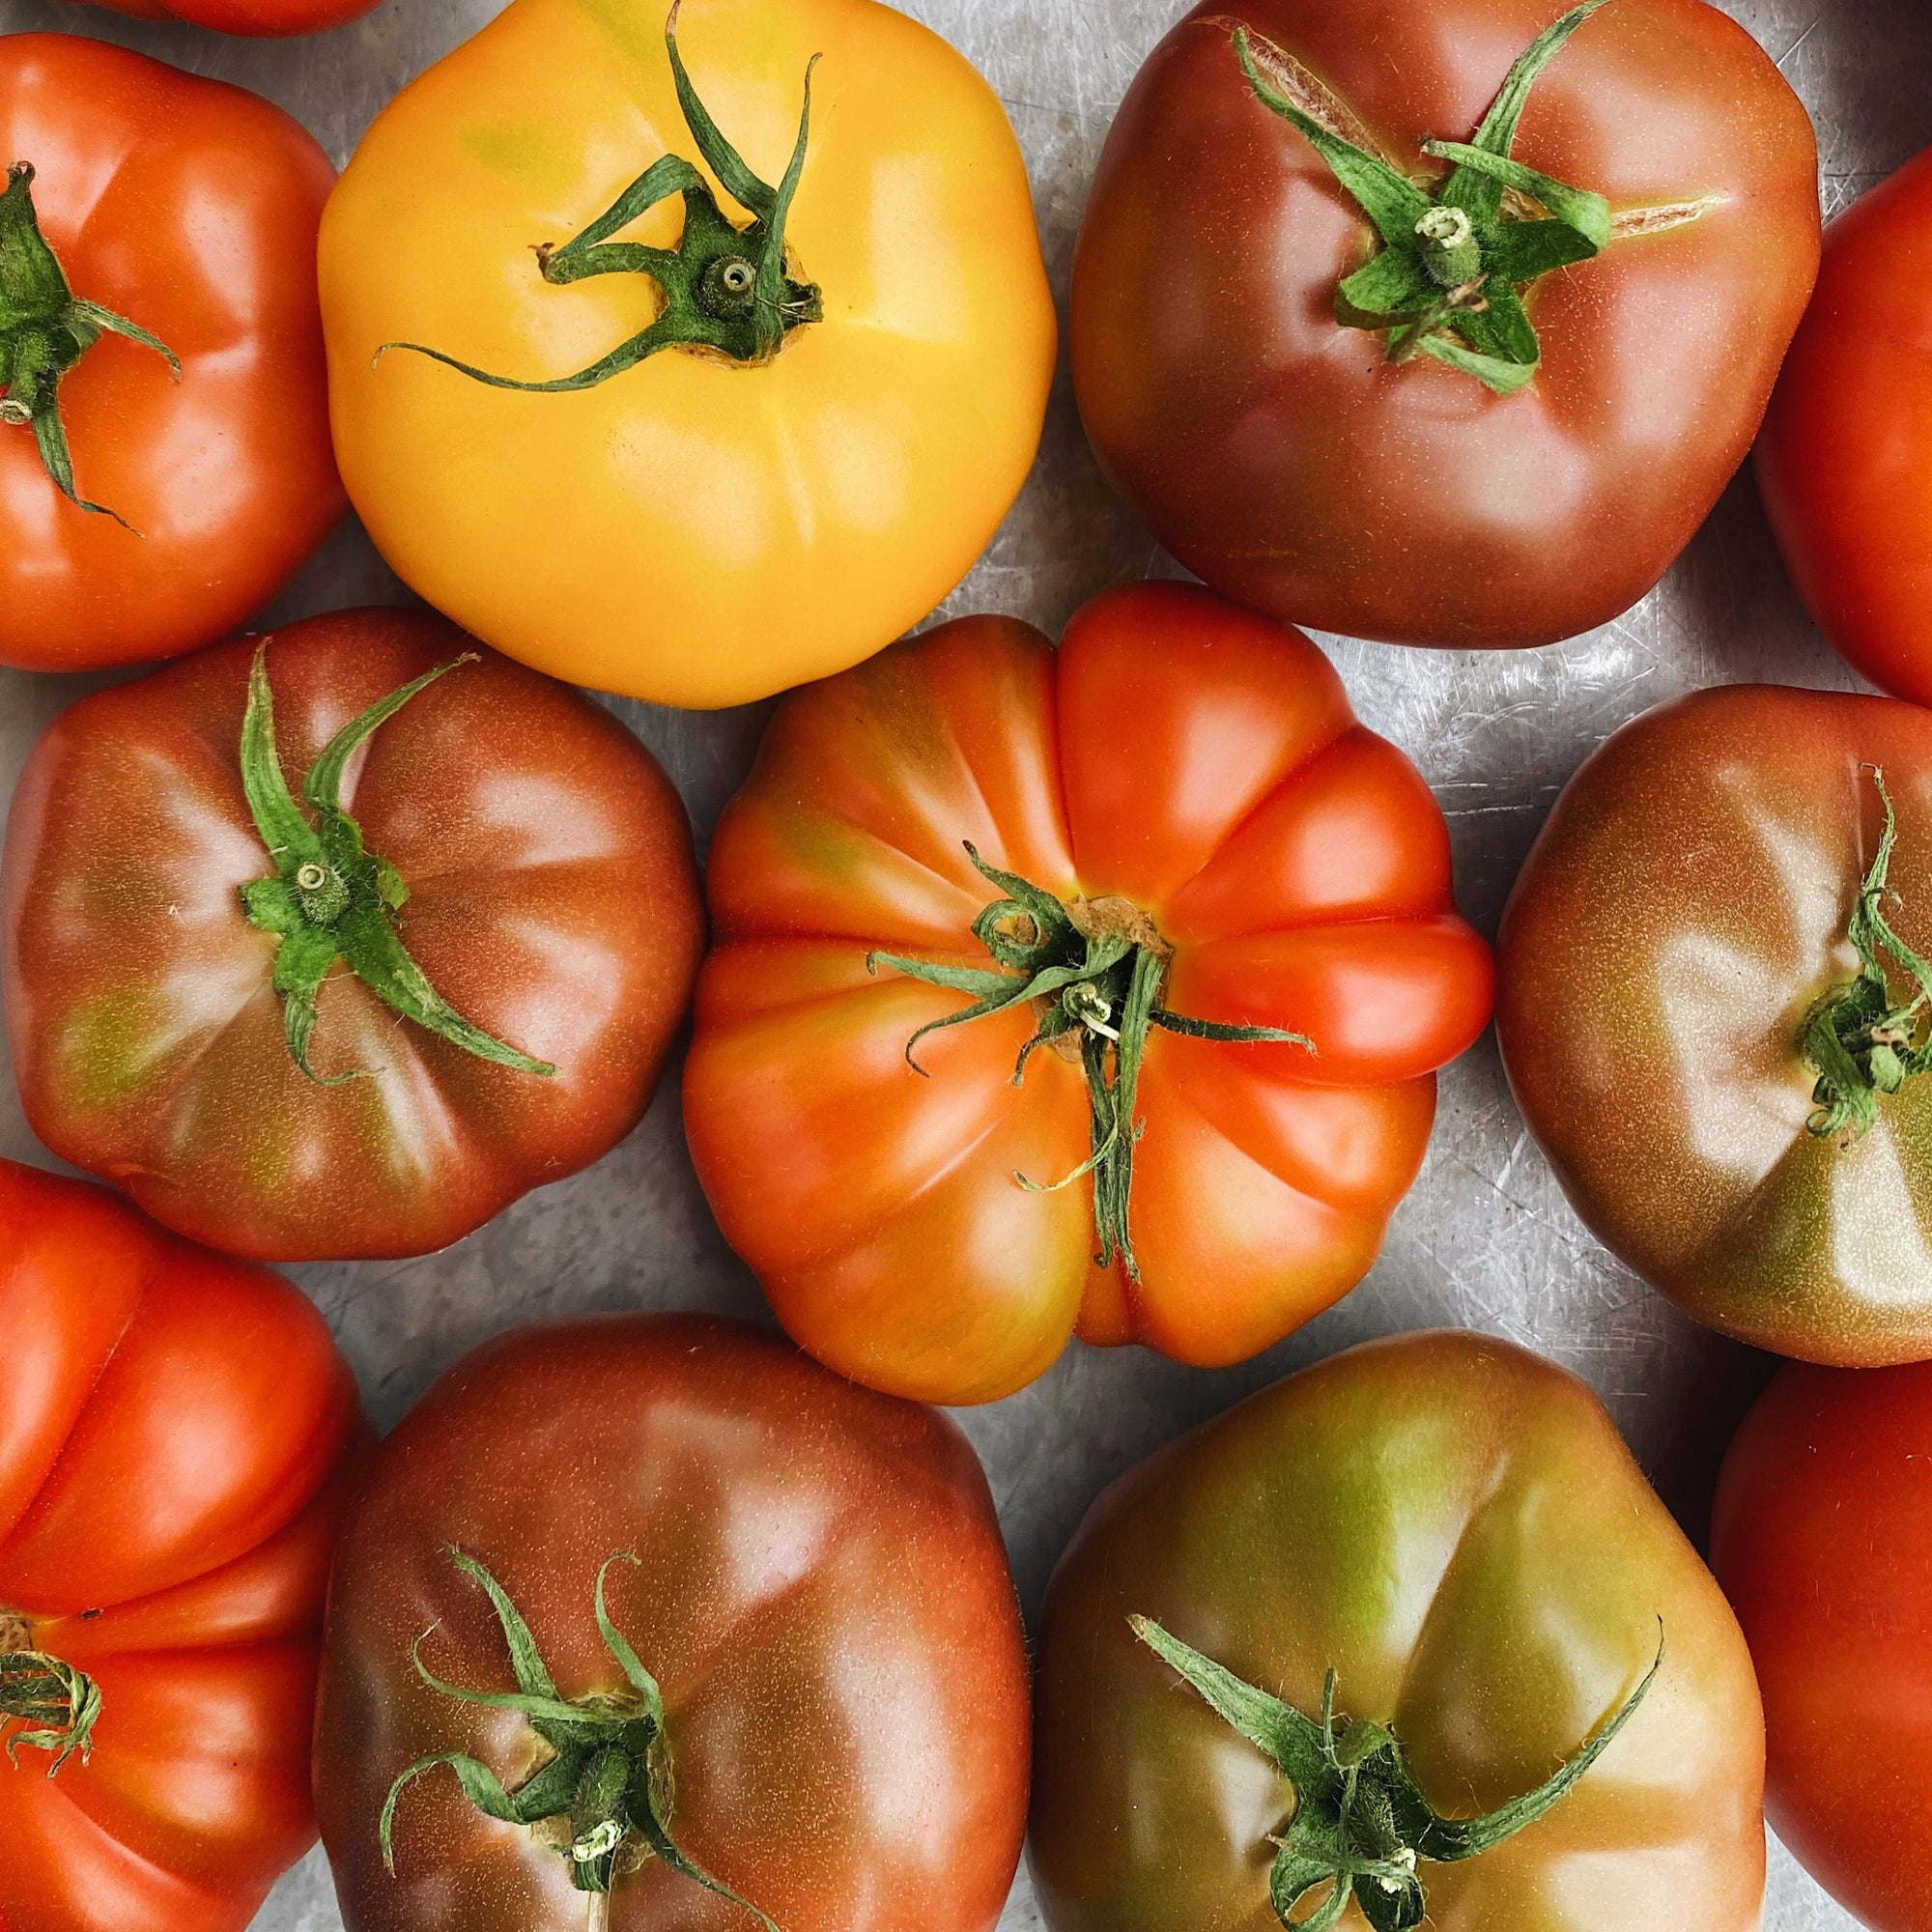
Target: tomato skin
173,1434
1456,1528
1822,1538
1179,752
553,902
689,531
1280,456
1845,460
823,1596
264,20
228,476
1681,914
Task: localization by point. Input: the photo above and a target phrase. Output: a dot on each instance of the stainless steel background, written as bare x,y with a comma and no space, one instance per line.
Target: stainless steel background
1486,1239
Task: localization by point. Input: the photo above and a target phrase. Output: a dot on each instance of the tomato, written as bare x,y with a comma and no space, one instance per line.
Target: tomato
1822,1538
164,456
1347,461
1845,460
363,1024
1706,1011
260,19
1240,902
808,1635
781,444
1451,1533
173,1432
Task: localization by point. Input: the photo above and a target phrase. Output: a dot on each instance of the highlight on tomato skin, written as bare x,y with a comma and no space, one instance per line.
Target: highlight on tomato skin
180,1434
1098,989
331,944
165,460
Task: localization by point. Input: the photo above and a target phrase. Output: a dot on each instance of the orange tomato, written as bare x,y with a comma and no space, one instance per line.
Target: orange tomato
172,1433
1181,779
186,210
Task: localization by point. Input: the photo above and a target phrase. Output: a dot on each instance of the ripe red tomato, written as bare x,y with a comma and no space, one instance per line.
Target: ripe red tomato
152,219
1240,902
1822,1538
1454,1528
1711,1015
363,1024
1343,475
777,1607
1845,460
173,1428
260,19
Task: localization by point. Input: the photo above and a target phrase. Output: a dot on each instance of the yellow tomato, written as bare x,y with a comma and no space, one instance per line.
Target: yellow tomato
700,528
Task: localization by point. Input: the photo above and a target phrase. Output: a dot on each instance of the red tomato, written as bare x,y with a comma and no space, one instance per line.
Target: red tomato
1845,460
1207,833
173,1427
810,1685
186,210
1822,1538
1340,475
259,19
365,1023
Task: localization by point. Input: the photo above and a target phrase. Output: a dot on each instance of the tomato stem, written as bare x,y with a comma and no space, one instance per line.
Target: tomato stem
725,289
603,1797
44,330
1448,279
1095,968
332,900
1361,1829
58,1705
1858,1038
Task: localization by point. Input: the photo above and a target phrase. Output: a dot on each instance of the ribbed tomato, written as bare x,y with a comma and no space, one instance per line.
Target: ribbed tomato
1218,906
173,1427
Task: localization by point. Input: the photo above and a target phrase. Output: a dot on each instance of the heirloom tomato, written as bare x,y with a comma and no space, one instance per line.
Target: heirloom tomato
174,1430
1550,1720
646,1621
1712,1010
754,440
1822,1538
164,457
1845,460
1383,333
362,1024
1012,941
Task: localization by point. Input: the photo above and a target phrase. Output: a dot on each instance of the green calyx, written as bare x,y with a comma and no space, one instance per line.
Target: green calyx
1095,969
1456,256
1859,1040
58,1705
1361,1827
330,900
44,330
725,289
603,1797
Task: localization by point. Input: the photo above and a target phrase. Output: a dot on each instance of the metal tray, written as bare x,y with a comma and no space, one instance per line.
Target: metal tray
1486,1239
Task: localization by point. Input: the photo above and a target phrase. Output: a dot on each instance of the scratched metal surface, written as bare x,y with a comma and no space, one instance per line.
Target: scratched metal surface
1484,1239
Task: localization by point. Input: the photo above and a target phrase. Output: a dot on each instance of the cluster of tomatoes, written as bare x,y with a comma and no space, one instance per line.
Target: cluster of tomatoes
1037,991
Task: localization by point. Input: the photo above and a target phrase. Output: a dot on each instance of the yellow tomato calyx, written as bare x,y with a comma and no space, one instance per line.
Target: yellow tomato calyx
727,291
